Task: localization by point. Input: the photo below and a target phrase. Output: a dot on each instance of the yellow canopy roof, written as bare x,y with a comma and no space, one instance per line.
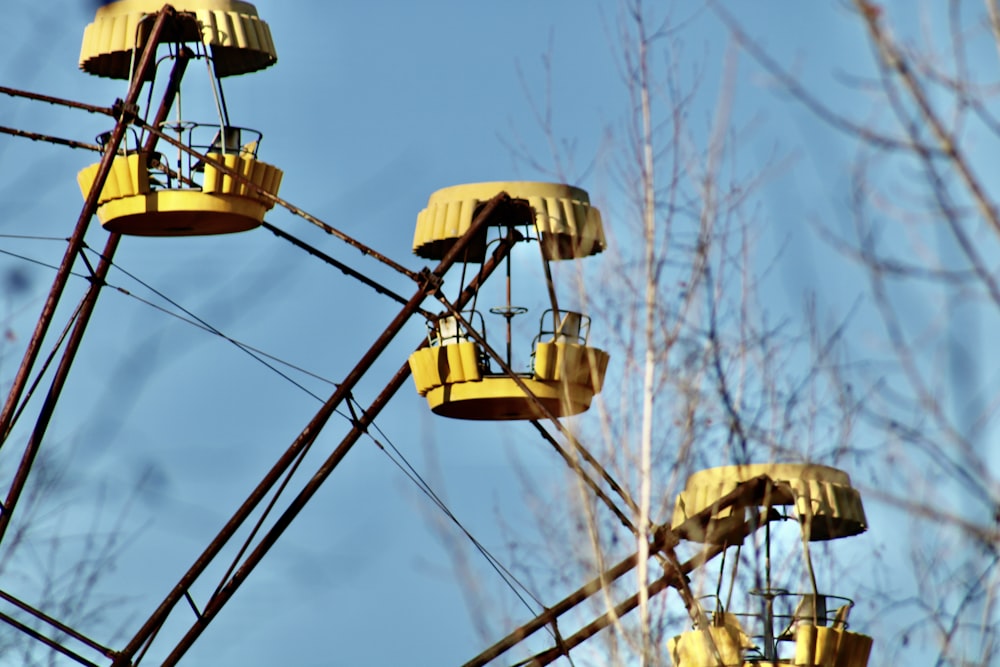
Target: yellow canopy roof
237,39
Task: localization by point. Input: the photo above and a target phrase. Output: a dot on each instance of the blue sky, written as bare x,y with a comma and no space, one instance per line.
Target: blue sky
370,108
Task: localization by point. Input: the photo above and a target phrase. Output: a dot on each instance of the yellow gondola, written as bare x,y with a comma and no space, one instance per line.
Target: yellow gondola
787,629
452,373
174,203
148,195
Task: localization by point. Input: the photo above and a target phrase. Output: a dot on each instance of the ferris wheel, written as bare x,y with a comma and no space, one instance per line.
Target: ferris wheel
163,173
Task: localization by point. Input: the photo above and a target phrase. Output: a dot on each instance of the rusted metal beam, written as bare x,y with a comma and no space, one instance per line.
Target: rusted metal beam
346,270
429,285
14,92
51,643
61,627
147,60
672,578
577,446
35,136
567,456
663,537
85,310
75,245
183,57
666,555
295,210
575,467
365,420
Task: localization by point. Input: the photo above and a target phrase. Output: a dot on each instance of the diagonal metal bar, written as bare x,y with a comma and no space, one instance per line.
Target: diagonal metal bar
567,456
86,309
61,627
662,538
52,644
345,269
291,208
429,284
672,578
666,554
358,429
467,294
147,60
58,101
36,136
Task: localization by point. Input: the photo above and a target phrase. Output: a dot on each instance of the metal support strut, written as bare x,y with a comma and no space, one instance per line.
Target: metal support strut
74,248
429,285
